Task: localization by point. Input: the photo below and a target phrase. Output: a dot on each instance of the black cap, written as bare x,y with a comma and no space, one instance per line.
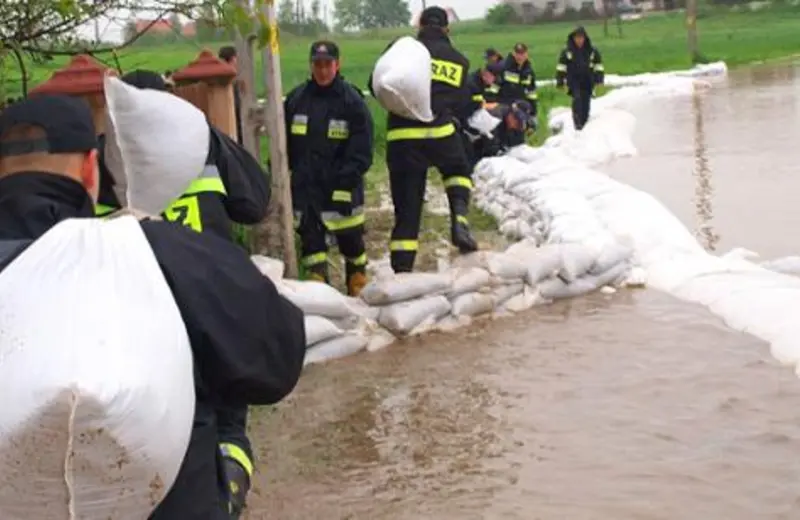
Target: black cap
66,122
145,79
433,16
490,53
324,50
520,47
495,67
579,30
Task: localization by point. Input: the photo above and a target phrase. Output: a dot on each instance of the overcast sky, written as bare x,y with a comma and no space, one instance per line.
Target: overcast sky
112,31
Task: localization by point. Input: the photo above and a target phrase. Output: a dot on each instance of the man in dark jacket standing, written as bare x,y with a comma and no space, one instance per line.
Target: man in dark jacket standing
518,83
329,142
413,146
231,188
248,342
580,67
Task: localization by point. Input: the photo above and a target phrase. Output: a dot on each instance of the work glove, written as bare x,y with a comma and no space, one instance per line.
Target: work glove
342,202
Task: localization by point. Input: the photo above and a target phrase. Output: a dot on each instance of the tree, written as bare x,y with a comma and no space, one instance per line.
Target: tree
502,14
348,14
385,13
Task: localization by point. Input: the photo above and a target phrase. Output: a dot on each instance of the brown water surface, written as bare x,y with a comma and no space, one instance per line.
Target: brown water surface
629,406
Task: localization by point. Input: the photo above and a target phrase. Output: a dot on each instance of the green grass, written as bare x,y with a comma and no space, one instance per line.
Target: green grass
655,43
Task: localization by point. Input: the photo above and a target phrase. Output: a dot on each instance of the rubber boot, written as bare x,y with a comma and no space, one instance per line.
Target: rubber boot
239,486
462,237
318,273
356,280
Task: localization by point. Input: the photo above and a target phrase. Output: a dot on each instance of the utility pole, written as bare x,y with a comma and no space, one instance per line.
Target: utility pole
691,29
277,230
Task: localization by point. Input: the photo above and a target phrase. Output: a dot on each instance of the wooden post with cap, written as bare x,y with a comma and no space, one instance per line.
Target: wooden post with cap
276,234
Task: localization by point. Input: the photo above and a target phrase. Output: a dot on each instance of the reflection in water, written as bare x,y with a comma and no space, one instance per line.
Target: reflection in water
702,173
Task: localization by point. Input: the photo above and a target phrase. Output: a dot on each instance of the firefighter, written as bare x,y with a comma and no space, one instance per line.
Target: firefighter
515,117
580,67
518,83
483,84
248,342
491,55
413,146
329,142
231,188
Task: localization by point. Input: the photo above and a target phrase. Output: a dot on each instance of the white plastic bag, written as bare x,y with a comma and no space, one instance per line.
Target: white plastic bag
156,144
316,298
484,122
401,80
320,329
404,286
402,318
96,376
342,346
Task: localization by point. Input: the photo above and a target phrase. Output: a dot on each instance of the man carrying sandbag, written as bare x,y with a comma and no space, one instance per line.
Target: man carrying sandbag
231,188
580,68
248,342
413,146
518,83
329,142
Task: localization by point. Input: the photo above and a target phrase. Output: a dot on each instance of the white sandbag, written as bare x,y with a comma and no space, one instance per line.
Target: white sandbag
401,318
379,339
401,80
473,304
156,144
610,256
522,301
404,286
96,376
361,309
342,346
502,294
316,298
272,268
500,265
543,263
320,329
785,265
557,288
484,122
452,323
578,260
467,280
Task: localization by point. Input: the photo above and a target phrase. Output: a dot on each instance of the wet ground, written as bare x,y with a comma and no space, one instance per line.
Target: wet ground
629,406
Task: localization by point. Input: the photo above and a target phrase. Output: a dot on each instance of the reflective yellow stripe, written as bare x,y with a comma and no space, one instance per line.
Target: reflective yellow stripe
342,196
236,453
185,211
569,55
532,95
456,181
493,89
315,259
561,67
205,185
341,223
511,77
434,132
101,210
404,245
462,219
478,98
447,72
298,129
359,260
598,67
526,81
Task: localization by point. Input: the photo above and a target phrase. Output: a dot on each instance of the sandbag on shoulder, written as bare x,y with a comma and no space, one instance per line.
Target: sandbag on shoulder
405,286
156,145
316,298
473,304
401,80
401,318
345,345
320,329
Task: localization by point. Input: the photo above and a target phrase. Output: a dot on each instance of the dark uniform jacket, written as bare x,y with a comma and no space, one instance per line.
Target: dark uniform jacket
232,187
329,138
247,341
518,83
581,68
450,92
490,92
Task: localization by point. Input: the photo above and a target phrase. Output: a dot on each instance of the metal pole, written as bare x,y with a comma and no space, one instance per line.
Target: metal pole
278,231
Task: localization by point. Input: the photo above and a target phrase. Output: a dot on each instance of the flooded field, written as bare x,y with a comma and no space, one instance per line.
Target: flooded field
629,406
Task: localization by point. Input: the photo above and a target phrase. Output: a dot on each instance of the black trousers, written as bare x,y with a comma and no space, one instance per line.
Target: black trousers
314,245
408,162
581,104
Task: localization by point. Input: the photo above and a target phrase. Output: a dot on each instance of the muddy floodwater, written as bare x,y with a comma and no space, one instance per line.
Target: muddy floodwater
610,407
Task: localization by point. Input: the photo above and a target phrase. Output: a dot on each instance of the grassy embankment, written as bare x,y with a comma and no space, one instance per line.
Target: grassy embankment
655,43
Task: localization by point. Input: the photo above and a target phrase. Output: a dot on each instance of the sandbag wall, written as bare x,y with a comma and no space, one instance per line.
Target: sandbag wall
485,284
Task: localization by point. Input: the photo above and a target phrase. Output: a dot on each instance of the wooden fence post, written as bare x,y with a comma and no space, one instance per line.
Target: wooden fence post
251,127
276,233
